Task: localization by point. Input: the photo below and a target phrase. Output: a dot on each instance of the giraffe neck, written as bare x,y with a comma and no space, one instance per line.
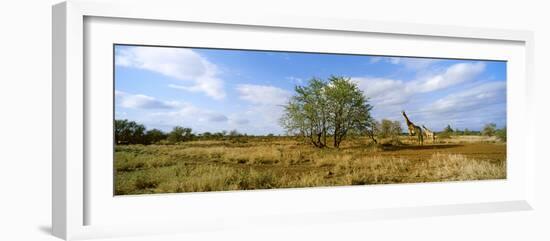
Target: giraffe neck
409,123
426,129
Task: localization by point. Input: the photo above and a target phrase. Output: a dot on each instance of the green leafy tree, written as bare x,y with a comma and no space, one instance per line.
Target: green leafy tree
207,135
129,132
448,129
218,135
234,133
336,108
446,133
489,129
348,108
501,134
188,134
180,134
154,135
306,113
390,129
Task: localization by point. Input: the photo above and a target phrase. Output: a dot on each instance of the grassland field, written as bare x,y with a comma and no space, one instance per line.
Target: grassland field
246,163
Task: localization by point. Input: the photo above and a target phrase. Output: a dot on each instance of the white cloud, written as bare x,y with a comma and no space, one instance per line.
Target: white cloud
383,91
388,92
263,94
456,74
240,121
471,99
209,86
410,63
415,63
217,118
188,113
266,109
374,60
394,60
121,115
179,63
262,118
141,101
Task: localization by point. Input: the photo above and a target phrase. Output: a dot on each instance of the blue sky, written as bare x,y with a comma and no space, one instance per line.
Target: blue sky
214,90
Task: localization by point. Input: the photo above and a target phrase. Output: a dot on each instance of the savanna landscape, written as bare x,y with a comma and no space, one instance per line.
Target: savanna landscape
245,163
338,130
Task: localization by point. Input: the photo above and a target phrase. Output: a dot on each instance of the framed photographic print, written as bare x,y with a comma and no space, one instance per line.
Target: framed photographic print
203,119
213,122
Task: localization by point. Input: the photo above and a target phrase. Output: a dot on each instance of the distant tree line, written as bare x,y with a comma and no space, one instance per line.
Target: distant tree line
489,129
131,132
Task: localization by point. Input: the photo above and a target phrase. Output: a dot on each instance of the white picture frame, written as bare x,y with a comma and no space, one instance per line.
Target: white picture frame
73,186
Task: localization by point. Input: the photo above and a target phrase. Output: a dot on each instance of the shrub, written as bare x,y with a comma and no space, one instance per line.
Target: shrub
180,134
489,129
154,136
501,134
129,132
389,129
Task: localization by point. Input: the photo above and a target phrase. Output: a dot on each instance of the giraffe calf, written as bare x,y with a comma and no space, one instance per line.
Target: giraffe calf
430,135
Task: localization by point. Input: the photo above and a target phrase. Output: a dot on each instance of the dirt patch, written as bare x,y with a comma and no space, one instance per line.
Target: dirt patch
472,150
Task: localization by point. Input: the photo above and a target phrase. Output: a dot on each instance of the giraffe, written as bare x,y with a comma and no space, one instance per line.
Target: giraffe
414,130
429,134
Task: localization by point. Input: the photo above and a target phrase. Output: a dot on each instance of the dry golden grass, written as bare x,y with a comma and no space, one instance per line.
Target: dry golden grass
468,139
256,163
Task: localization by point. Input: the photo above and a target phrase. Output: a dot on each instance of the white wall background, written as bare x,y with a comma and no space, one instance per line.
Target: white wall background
25,119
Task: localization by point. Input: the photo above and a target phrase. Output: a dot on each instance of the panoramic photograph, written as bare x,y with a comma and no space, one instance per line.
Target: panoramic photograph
204,119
